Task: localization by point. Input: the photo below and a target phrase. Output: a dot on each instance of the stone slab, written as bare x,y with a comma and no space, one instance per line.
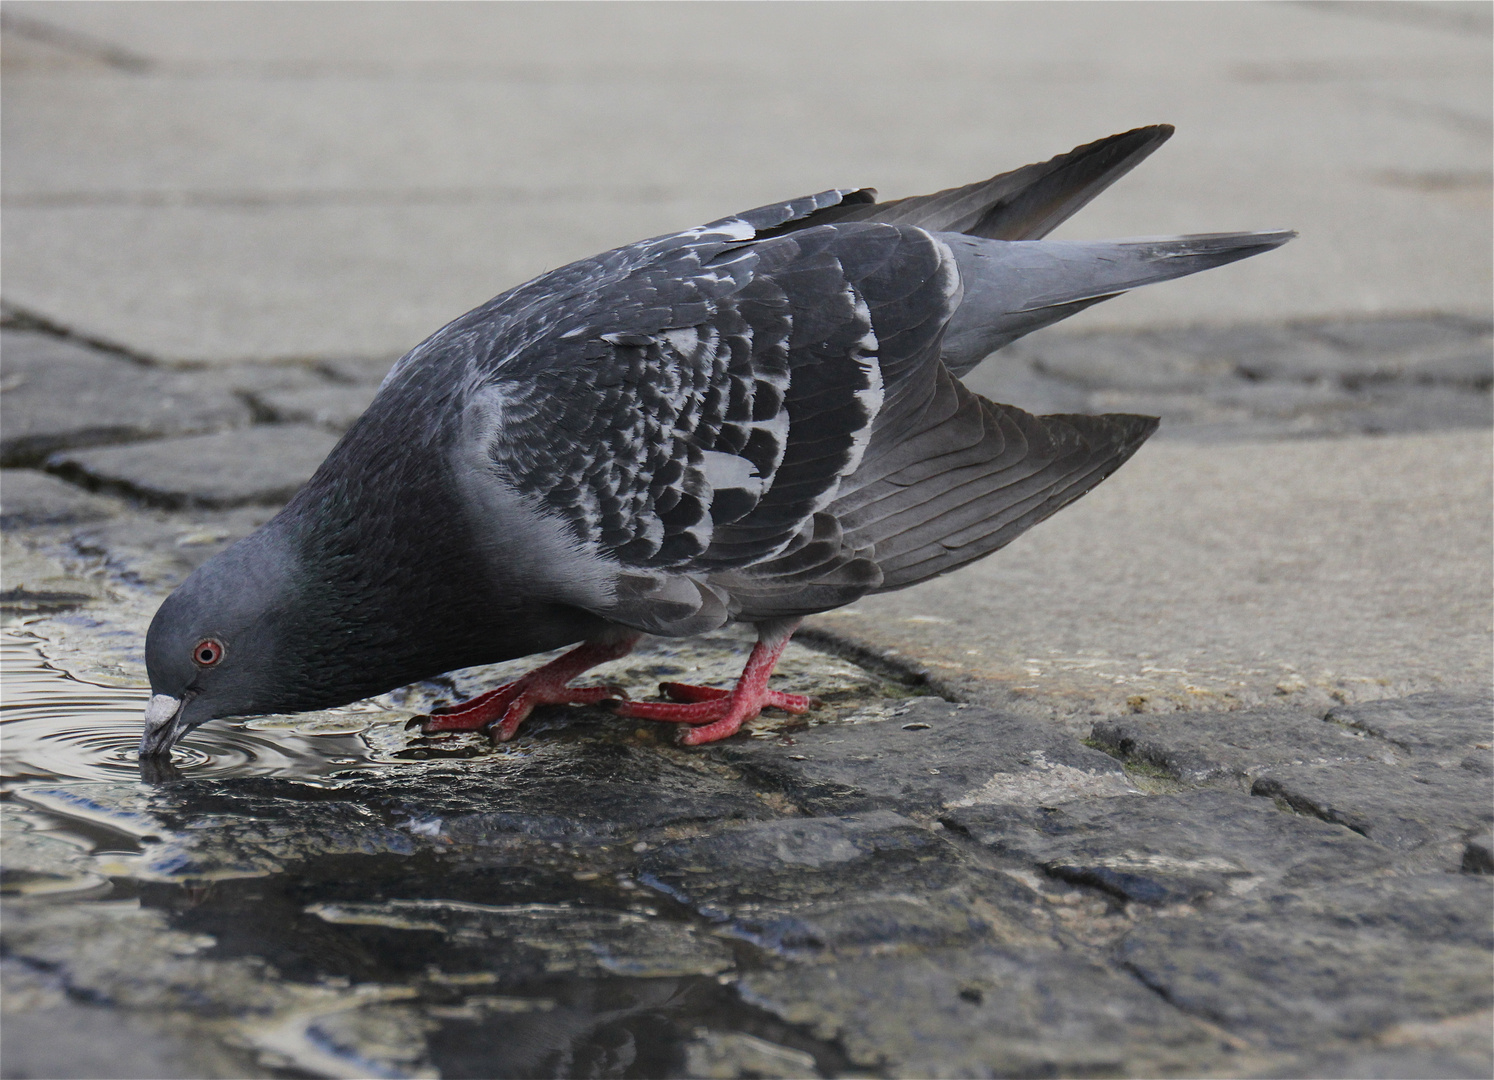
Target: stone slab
34,500
1313,572
1173,849
1193,747
926,756
1326,377
1295,968
59,394
307,162
1401,807
332,407
987,1012
263,465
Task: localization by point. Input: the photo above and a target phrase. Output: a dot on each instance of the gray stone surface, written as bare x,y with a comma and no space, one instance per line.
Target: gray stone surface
34,500
946,755
365,177
1337,377
1272,857
333,407
1173,849
987,1012
1312,572
62,394
1339,961
263,464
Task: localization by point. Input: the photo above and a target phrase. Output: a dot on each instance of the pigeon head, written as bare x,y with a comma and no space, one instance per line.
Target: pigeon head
215,641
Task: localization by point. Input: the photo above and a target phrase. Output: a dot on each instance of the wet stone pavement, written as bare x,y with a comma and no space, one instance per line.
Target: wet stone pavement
895,885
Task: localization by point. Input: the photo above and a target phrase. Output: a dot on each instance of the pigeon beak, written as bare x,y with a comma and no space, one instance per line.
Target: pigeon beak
163,725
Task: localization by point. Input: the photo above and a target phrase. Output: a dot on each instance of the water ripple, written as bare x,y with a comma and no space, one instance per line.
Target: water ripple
55,727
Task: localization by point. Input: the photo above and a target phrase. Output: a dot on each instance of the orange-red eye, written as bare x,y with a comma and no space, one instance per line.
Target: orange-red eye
207,652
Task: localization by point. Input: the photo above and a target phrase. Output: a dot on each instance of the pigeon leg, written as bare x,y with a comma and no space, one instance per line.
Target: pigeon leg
719,713
504,709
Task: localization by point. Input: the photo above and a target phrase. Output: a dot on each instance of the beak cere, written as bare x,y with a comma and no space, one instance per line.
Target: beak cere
163,727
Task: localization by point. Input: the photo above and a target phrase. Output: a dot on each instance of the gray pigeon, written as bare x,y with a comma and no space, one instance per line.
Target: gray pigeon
749,421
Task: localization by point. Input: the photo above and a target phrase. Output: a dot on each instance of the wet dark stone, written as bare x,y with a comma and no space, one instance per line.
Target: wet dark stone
61,394
1166,849
1344,961
1399,806
852,882
1402,1063
550,790
1195,747
262,465
928,756
1478,854
34,500
1445,726
985,1012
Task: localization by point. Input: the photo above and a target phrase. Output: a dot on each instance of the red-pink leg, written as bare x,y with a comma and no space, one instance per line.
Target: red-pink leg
504,709
721,713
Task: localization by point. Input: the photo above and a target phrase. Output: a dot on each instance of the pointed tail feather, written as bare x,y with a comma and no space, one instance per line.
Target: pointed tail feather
1024,204
1014,289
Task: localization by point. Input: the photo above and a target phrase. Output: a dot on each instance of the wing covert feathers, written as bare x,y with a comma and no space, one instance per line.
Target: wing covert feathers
760,418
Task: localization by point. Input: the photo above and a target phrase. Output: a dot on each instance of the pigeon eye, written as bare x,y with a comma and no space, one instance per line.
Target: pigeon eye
207,652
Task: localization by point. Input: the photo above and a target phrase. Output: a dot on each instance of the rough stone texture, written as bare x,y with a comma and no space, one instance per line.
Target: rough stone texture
945,755
34,500
62,394
1311,572
1339,377
1339,961
1173,849
987,1012
263,465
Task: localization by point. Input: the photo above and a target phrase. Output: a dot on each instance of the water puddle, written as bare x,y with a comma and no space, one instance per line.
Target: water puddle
340,932
56,727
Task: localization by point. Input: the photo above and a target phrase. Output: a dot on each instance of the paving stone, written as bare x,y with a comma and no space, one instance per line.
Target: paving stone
1399,806
1399,1064
358,370
1446,727
160,550
1335,377
1202,746
850,883
333,407
265,464
59,394
33,581
1297,968
1478,854
986,1012
926,756
34,500
1169,849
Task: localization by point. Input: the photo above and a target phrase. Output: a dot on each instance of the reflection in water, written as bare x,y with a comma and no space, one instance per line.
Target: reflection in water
534,970
59,728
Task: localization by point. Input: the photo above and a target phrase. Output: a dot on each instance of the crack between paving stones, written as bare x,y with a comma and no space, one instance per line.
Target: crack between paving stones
15,317
77,43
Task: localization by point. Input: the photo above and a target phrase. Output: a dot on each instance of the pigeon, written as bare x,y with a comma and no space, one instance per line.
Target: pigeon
749,421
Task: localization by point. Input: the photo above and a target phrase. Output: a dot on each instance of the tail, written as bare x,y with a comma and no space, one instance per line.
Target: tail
1024,204
1014,289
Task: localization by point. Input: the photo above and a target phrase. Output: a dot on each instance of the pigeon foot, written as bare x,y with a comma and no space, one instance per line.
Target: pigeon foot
502,710
715,713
